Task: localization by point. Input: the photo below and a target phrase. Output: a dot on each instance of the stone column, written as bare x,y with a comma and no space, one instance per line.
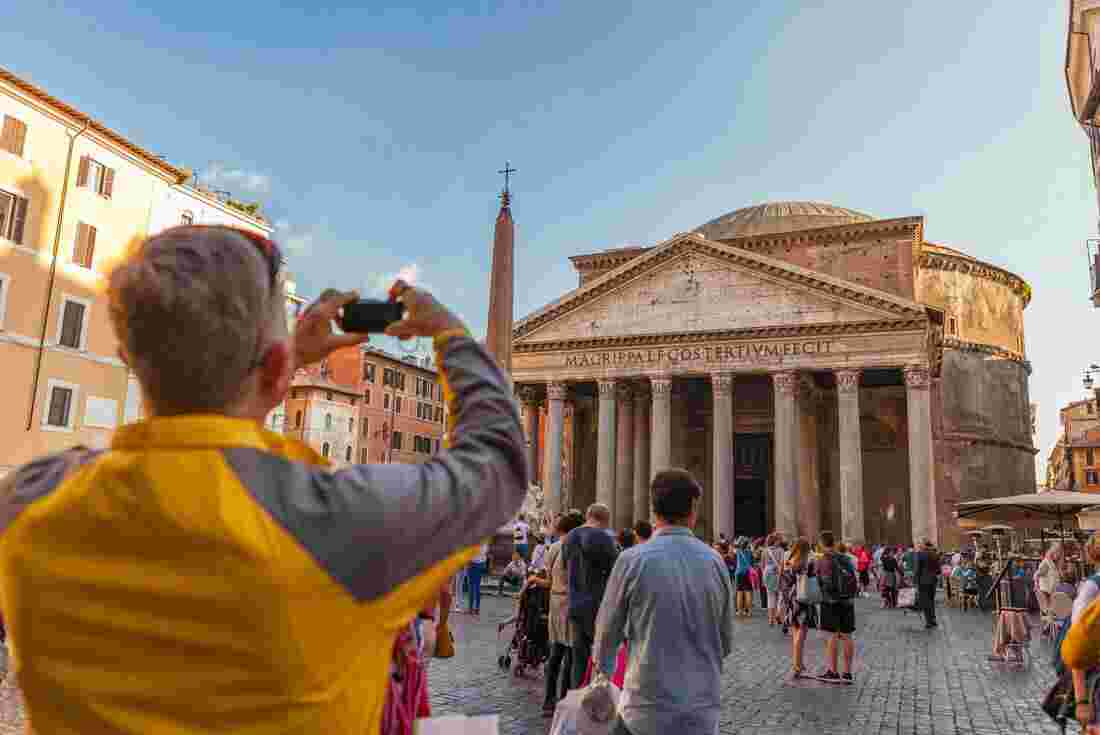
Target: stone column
555,394
660,420
922,507
786,452
624,457
605,446
723,523
641,451
809,483
851,456
530,399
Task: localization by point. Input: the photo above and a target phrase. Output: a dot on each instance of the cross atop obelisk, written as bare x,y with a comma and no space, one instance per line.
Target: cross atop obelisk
498,340
506,195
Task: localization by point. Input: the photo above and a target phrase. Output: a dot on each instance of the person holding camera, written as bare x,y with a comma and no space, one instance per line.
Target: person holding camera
205,574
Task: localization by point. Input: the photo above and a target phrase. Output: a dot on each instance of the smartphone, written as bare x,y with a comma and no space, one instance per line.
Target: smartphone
370,315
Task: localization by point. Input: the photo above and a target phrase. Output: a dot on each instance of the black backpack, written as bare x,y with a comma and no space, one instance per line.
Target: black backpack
843,582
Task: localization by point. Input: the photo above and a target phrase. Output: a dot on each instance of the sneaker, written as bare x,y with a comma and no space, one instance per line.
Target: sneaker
847,676
830,676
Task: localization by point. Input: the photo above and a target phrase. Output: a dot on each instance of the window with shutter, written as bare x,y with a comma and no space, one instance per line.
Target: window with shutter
365,427
363,455
347,454
107,185
13,136
324,449
72,324
84,250
82,171
60,406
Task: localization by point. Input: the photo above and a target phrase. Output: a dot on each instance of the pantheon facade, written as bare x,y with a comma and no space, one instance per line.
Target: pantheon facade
812,366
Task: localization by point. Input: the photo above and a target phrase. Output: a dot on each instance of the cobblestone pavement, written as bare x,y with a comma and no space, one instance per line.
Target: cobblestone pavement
908,680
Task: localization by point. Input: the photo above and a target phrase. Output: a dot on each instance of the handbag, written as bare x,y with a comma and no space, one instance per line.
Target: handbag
808,590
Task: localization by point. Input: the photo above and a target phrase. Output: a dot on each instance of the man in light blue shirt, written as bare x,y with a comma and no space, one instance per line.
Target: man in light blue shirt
672,600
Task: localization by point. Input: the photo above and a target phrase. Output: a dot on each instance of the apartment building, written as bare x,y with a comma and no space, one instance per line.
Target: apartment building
364,405
74,194
1074,461
1082,73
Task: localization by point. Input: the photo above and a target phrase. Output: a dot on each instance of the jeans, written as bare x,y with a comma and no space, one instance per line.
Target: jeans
926,601
473,577
559,666
582,651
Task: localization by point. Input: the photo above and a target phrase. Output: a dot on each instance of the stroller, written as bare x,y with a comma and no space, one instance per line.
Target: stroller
530,644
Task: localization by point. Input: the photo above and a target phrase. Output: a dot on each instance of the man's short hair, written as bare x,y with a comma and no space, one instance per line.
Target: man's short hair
674,492
644,529
194,309
828,540
599,513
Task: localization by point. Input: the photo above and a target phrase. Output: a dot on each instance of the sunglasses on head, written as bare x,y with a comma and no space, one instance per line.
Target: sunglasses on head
267,247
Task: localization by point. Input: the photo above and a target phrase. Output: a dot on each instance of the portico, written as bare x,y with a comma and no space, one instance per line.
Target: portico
781,389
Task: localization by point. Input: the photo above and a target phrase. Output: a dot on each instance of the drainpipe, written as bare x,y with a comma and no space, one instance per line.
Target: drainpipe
53,275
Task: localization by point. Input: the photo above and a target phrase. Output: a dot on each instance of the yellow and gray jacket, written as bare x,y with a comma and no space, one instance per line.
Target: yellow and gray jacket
205,575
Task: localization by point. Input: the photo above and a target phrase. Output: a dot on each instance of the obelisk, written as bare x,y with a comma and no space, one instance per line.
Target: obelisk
502,282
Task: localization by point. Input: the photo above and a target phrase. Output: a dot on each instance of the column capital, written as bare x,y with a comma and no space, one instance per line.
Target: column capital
624,392
642,393
661,386
786,382
606,387
917,377
529,394
722,384
847,380
557,391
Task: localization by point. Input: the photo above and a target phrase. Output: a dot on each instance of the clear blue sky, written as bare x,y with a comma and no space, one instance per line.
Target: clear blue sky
374,136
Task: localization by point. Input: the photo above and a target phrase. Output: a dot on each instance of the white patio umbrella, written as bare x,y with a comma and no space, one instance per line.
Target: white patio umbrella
1033,510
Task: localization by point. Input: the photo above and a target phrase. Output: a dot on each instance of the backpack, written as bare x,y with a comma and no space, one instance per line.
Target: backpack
843,584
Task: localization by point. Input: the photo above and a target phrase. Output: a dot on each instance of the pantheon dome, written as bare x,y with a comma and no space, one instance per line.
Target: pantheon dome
773,217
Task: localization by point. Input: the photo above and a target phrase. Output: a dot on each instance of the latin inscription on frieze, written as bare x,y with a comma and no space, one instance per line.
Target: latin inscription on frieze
751,352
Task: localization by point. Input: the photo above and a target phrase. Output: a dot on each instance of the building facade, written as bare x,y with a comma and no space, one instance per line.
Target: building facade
74,194
1074,461
812,366
1082,72
365,406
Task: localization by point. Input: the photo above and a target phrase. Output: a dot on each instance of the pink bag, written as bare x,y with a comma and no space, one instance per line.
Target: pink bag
754,578
620,669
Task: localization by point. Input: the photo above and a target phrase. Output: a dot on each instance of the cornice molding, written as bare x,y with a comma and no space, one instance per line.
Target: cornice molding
798,330
829,235
954,343
986,440
978,269
777,270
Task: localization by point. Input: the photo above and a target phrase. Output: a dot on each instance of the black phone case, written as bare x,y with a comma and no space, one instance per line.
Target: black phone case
370,316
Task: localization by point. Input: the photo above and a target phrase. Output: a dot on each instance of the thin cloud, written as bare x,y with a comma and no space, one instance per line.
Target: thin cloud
236,180
297,239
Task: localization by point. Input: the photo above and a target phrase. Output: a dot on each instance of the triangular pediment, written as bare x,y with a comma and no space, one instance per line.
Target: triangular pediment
690,284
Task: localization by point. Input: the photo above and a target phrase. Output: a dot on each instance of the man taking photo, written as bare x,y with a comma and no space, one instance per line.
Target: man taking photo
206,575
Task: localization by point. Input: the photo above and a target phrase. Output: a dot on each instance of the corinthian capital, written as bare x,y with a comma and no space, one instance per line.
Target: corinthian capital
557,391
847,380
642,393
661,387
606,387
529,394
624,392
917,376
721,384
786,383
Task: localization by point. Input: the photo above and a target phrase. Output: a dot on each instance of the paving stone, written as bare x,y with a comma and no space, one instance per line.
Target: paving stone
908,680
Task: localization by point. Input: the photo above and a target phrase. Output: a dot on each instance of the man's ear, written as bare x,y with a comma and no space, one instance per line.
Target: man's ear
277,371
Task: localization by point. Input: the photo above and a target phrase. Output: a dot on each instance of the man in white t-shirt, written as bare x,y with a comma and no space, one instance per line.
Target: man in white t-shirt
520,530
